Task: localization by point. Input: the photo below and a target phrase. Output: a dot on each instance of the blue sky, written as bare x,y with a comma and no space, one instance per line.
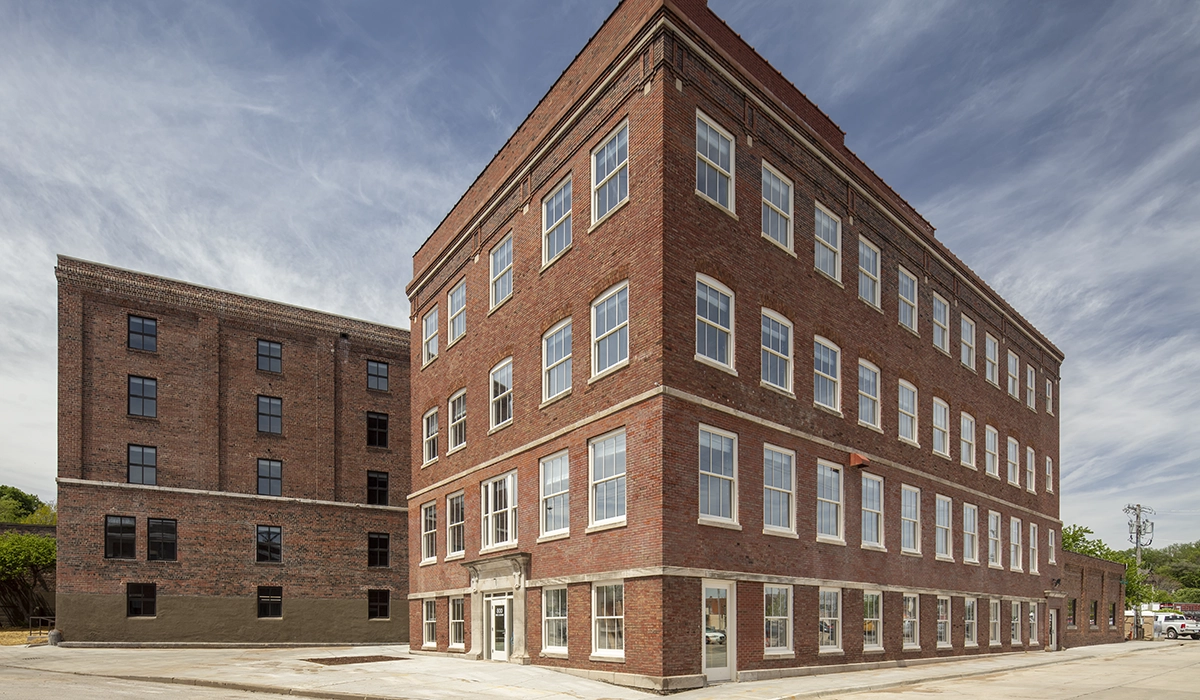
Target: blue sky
301,151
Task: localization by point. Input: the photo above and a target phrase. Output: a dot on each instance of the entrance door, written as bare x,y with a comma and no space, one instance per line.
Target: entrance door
498,629
718,613
1053,645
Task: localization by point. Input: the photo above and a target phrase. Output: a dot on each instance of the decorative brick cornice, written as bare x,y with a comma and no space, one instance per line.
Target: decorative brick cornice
118,282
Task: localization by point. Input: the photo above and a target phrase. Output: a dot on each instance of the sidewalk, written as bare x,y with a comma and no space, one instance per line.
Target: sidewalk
285,671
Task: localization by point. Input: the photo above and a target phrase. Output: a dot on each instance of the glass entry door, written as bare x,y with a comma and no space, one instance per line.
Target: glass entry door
498,629
718,612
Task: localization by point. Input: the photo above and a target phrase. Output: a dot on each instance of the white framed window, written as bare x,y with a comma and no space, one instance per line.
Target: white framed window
872,511
776,207
1014,462
714,161
970,526
829,501
995,546
610,329
429,623
456,516
556,494
943,622
606,456
994,623
430,439
868,272
429,533
868,394
1033,548
458,624
777,618
907,406
779,487
1049,475
991,451
1015,554
908,300
499,500
1030,382
718,474
830,612
610,173
1015,628
429,334
502,271
776,350
941,324
608,619
556,222
826,374
502,393
554,620
1014,373
967,337
556,360
1033,623
910,519
827,256
714,321
991,359
458,420
1030,470
966,440
456,300
941,427
943,535
1052,546
912,621
970,621
1049,396
872,620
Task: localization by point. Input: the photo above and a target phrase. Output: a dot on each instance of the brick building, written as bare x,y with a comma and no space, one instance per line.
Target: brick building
1094,600
230,469
676,492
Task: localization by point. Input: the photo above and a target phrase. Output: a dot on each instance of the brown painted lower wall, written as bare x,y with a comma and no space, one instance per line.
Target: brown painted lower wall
101,618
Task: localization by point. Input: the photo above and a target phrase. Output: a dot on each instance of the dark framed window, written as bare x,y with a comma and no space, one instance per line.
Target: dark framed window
1094,613
377,488
160,540
143,396
143,334
1071,612
378,545
270,477
270,356
377,429
141,600
120,537
1112,614
377,376
378,602
270,601
143,464
270,414
270,543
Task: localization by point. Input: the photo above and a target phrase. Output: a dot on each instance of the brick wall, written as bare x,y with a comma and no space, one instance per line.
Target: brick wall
1087,580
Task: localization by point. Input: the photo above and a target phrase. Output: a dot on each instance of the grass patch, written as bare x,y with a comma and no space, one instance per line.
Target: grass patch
13,636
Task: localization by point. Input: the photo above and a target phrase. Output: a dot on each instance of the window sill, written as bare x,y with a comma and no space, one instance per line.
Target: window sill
1015,483
873,547
826,409
911,647
910,553
971,645
554,399
149,418
546,653
553,537
969,466
1017,571
778,655
943,455
609,370
430,462
454,557
428,362
830,652
498,548
998,567
385,392
608,214
717,204
910,330
429,646
873,650
605,526
780,533
705,360
907,441
945,645
994,644
969,367
942,557
423,562
780,246
546,265
868,426
831,540
459,448
829,277
1029,490
608,658
776,389
457,647
995,476
969,562
712,522
500,427
269,373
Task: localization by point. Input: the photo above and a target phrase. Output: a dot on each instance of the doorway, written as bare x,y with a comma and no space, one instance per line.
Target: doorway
718,611
1053,641
499,624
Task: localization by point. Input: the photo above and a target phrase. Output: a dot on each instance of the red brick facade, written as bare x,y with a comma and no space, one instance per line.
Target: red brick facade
654,68
1093,609
207,442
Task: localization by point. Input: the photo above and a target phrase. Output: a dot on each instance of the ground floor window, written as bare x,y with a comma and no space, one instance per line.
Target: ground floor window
429,623
1015,629
1071,613
969,620
378,604
270,601
554,616
141,600
777,612
872,620
994,623
1112,615
943,622
458,624
912,623
830,634
1033,623
608,619
1094,613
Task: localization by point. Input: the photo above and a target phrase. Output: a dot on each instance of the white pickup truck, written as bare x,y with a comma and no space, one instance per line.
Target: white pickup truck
1175,625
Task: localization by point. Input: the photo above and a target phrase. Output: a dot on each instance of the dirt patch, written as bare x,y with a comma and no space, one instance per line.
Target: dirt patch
343,660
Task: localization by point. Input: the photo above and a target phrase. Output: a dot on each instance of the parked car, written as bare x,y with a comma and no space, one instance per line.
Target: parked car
1175,625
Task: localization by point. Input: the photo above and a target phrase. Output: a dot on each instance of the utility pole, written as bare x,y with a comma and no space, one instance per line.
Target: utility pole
1139,530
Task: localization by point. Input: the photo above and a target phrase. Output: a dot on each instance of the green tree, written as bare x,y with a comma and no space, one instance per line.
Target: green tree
24,562
25,503
46,514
